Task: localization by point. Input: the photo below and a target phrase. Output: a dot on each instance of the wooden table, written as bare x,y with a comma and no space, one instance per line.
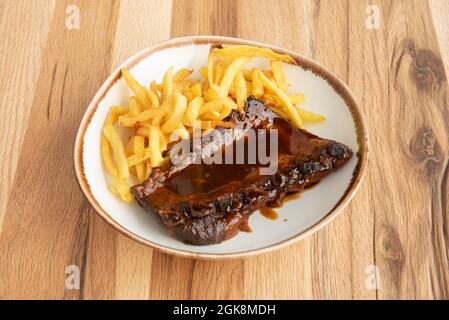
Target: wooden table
397,224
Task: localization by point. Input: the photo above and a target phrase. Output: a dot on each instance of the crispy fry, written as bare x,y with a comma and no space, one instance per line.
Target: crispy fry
153,98
139,151
218,73
214,105
285,100
137,88
155,152
278,74
250,51
167,84
193,109
111,118
143,131
247,74
179,108
297,98
117,150
310,116
196,90
210,70
134,108
240,91
230,73
257,84
181,74
142,117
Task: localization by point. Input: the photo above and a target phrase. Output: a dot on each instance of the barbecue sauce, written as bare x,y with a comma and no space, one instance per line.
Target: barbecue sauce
269,213
206,179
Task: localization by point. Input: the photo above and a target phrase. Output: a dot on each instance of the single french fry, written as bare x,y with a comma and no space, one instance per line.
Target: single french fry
175,119
193,109
218,72
139,151
134,108
250,51
230,73
196,90
285,100
247,74
153,98
129,149
142,117
137,88
278,74
143,131
167,84
118,151
155,152
310,116
214,105
181,74
154,88
297,98
210,70
148,169
240,90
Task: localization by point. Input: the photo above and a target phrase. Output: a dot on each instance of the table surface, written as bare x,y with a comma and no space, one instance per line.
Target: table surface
390,242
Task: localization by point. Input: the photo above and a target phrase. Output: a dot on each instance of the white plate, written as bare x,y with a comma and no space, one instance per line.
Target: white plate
324,93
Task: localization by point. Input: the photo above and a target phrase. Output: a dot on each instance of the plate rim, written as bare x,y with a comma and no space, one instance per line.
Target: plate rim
339,86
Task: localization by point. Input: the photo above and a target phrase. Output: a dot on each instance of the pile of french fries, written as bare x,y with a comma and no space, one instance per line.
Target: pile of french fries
179,103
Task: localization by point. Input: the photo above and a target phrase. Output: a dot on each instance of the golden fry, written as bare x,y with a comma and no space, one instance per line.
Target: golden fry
230,74
196,90
137,88
278,74
251,52
181,74
257,84
214,105
134,108
179,108
193,109
167,84
285,100
155,152
310,116
118,151
142,117
240,91
139,151
297,98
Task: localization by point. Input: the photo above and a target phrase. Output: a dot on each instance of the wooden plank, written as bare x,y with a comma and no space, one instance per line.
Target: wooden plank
47,222
21,49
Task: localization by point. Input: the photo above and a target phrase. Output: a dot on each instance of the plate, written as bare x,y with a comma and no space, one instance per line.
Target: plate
325,94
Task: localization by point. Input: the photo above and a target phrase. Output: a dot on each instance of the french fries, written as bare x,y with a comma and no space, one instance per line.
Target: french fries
251,52
278,74
160,112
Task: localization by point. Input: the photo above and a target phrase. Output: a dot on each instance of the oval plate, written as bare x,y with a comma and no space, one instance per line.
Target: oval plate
298,218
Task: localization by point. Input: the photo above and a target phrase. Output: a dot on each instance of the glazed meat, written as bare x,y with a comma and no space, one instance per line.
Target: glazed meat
203,203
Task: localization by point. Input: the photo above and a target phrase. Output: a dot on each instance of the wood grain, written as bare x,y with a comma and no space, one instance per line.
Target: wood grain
397,222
